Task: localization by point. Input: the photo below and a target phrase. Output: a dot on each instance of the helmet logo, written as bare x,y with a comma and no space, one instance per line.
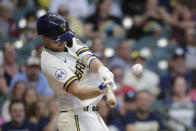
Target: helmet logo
63,27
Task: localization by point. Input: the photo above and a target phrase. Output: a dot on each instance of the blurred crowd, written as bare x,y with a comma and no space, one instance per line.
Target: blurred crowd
158,34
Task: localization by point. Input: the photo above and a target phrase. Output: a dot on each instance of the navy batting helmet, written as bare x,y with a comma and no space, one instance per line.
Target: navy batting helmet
55,27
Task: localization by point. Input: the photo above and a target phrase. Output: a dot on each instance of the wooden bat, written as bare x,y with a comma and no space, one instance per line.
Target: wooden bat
111,98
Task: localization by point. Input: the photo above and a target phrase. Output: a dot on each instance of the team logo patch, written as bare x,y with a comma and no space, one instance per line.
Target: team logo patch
63,28
60,74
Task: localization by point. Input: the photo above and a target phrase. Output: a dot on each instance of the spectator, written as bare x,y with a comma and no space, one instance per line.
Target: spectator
53,116
7,25
30,32
18,122
101,23
40,111
177,65
190,41
1,122
129,104
147,80
43,4
33,78
123,56
143,119
16,94
75,24
3,86
97,46
77,8
169,4
151,22
98,49
36,111
133,7
30,98
181,106
122,89
39,49
181,20
3,91
10,66
21,4
115,9
192,91
109,117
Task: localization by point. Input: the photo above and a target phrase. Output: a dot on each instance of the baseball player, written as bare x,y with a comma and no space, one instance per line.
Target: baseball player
75,74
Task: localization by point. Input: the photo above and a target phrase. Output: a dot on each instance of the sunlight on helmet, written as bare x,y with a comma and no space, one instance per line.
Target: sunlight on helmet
163,64
109,52
18,44
22,23
127,22
162,42
41,12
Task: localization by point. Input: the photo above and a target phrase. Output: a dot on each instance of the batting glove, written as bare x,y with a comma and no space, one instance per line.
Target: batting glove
106,75
103,87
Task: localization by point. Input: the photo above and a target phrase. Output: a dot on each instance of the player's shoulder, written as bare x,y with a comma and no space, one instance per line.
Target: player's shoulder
49,59
46,53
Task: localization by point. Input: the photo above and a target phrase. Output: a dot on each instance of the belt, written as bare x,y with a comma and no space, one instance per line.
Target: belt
91,108
88,108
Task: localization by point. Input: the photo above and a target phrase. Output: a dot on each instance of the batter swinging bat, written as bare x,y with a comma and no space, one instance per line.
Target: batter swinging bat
111,98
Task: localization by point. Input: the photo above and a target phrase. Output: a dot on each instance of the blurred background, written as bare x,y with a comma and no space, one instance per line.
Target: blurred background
159,34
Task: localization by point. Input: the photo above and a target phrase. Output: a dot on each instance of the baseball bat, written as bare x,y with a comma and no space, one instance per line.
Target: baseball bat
111,98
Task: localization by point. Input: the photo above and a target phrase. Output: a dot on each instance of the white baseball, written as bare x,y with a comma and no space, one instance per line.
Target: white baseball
137,69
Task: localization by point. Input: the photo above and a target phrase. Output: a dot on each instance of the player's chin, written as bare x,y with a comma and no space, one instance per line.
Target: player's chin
59,45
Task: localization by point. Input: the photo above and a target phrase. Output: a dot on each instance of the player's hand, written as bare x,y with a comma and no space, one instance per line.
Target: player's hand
103,87
106,75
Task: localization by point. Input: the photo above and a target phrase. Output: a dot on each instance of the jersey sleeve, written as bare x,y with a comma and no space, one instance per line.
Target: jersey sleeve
79,49
60,76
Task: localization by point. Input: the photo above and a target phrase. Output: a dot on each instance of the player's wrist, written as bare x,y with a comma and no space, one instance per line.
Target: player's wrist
105,74
102,69
101,87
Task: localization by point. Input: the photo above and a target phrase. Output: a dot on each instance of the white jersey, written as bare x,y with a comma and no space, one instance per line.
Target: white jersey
63,68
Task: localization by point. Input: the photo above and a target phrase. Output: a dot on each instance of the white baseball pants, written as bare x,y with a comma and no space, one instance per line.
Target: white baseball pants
79,120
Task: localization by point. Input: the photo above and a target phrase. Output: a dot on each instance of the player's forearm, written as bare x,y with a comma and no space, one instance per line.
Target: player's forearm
95,65
83,93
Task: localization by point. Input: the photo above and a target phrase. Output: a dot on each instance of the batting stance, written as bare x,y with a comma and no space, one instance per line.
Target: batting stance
75,74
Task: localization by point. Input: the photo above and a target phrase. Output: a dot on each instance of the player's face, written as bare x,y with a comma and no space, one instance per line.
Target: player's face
55,46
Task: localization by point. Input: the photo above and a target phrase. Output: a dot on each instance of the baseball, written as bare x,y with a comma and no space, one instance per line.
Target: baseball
137,69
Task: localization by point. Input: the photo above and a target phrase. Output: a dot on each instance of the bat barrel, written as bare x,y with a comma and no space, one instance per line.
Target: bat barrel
111,99
112,104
